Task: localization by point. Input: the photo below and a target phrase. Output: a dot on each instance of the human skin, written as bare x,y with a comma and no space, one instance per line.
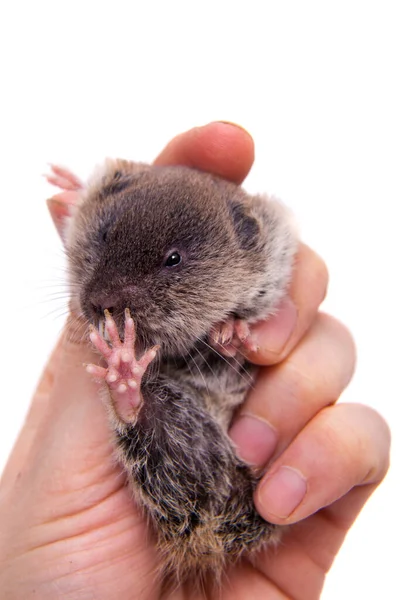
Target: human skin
69,527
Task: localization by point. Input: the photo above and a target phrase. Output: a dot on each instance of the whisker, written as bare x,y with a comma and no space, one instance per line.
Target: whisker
199,370
53,313
187,363
54,298
51,284
210,367
77,324
248,379
240,364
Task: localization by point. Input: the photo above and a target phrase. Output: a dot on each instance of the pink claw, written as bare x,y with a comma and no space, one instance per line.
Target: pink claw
129,334
228,336
112,330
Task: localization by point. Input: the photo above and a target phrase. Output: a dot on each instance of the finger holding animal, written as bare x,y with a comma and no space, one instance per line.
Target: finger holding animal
288,395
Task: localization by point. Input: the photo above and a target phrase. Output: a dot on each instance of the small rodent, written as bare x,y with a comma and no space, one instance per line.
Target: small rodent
177,263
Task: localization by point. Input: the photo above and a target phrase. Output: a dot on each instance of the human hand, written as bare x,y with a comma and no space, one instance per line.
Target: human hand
69,527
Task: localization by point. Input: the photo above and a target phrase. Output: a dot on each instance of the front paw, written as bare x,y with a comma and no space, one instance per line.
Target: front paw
227,337
123,374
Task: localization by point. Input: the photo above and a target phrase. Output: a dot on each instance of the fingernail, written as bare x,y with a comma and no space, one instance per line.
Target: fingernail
232,124
273,335
255,439
281,494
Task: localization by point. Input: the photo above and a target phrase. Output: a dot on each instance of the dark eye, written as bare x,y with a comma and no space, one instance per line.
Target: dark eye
173,260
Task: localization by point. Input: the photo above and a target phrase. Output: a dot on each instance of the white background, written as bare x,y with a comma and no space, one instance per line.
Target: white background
316,83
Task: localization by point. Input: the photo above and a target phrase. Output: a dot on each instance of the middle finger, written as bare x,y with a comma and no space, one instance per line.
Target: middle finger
288,395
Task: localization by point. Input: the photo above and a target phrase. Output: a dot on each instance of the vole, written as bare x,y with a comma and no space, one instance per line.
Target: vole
170,266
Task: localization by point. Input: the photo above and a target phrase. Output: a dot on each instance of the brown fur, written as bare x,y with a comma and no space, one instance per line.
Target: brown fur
237,253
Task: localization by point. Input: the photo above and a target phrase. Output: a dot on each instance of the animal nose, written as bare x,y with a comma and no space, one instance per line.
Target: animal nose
102,302
98,309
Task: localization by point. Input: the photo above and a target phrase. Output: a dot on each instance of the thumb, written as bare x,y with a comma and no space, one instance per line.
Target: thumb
65,444
23,445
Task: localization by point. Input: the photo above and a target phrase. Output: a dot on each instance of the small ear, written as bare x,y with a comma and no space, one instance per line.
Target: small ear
114,175
246,226
61,208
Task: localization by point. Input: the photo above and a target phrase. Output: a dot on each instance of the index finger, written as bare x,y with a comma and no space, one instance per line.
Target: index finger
33,419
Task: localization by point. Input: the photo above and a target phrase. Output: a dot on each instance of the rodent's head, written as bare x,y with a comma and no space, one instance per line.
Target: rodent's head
164,243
